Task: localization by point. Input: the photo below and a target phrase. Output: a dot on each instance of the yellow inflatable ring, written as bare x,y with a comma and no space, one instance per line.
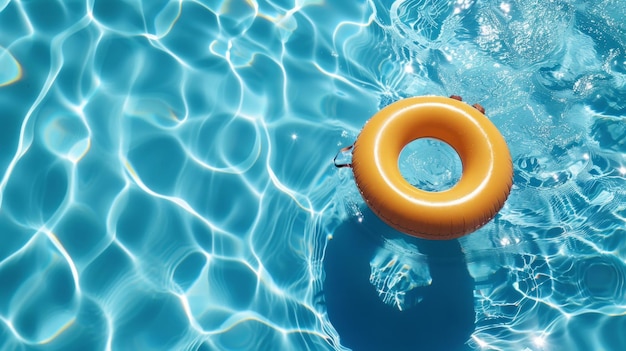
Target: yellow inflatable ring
472,202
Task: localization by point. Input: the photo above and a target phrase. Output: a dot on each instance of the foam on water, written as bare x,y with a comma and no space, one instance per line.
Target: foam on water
167,179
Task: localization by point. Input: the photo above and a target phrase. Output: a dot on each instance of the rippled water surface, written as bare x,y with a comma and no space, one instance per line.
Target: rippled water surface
167,181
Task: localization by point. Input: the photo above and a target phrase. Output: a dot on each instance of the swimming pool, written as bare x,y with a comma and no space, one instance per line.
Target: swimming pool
167,179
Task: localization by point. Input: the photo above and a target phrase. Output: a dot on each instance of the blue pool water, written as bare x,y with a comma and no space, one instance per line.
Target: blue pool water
167,182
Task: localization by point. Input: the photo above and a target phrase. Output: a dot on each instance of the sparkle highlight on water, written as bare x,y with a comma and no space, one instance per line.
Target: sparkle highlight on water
167,181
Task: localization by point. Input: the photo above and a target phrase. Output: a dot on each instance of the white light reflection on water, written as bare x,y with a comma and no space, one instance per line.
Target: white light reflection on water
167,178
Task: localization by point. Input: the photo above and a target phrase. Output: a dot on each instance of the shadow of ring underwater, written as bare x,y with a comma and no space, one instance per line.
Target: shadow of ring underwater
441,317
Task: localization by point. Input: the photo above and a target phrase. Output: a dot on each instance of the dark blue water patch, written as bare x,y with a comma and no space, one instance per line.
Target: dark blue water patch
12,274
443,320
598,277
301,44
81,234
51,297
205,347
203,236
84,333
234,284
18,98
49,17
119,14
75,80
106,271
53,190
14,236
189,270
37,188
155,321
116,60
99,186
255,73
265,36
13,25
192,32
139,219
162,153
38,291
9,133
610,134
157,73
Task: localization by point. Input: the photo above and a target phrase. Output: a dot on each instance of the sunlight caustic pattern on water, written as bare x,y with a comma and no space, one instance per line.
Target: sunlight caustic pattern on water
157,184
167,179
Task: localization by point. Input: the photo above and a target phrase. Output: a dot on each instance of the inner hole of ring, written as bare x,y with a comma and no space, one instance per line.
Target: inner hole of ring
430,164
